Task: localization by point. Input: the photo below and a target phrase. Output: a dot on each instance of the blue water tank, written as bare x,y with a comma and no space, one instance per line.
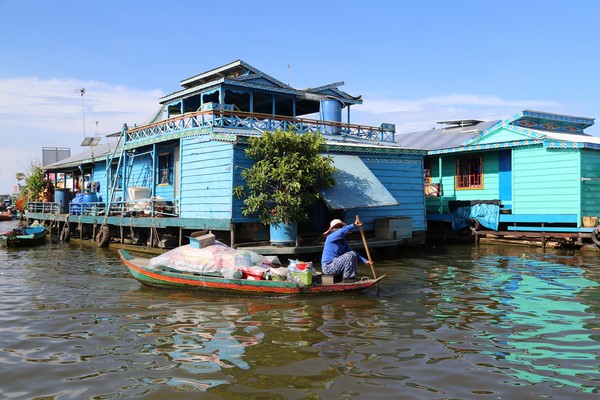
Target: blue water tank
331,110
63,197
76,204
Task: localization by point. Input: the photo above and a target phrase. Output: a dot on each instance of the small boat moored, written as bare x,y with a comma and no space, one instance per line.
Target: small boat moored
170,278
24,236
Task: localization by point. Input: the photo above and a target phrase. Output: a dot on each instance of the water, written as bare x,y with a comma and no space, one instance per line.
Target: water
454,322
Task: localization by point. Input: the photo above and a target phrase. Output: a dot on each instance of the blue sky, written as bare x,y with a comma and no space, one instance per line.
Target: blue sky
414,62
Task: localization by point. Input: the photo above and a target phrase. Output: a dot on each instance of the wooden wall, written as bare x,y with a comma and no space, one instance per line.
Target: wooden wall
546,181
206,179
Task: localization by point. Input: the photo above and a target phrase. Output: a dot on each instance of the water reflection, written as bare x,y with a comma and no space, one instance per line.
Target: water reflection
457,322
528,313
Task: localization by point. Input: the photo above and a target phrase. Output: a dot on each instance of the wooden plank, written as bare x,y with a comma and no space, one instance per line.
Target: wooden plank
548,229
539,218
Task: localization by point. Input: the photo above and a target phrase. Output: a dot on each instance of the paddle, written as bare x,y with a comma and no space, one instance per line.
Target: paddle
364,239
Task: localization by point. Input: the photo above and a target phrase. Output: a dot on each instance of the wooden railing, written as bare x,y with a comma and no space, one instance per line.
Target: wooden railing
257,122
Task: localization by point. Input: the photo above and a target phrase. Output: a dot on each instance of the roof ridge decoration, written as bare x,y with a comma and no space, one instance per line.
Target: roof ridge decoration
520,123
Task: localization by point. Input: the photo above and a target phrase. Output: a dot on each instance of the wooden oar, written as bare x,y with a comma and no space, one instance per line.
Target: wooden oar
362,233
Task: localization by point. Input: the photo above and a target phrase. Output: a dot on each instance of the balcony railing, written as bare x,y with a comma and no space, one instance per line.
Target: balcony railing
261,122
131,208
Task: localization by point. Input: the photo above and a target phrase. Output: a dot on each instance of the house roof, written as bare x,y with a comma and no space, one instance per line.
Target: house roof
240,73
451,134
99,152
553,130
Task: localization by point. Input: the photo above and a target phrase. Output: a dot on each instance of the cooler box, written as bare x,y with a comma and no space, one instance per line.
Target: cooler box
201,239
393,228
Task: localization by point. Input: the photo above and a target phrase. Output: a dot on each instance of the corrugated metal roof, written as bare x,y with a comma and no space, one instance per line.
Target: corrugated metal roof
443,138
87,156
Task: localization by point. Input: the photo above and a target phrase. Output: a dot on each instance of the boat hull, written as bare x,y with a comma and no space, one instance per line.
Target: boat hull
168,278
32,236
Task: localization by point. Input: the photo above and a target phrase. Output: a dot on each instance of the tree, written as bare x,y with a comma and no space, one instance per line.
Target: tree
287,175
35,182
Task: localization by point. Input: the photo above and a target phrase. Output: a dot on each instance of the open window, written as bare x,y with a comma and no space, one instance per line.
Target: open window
469,172
164,169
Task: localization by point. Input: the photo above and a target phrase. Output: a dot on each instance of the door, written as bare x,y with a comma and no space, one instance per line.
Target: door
505,178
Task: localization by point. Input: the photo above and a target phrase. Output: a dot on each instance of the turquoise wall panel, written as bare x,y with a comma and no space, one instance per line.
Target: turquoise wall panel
546,181
448,191
206,179
590,183
502,135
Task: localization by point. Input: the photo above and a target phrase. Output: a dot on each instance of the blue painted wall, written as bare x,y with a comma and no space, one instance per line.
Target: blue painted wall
206,179
403,178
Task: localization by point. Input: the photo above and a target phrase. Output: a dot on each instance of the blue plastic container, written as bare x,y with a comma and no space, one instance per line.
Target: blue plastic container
63,197
283,234
332,111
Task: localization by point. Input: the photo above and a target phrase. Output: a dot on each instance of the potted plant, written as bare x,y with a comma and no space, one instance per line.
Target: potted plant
285,179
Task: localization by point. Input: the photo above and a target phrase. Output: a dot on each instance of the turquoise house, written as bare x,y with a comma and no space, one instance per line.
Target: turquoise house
175,173
534,173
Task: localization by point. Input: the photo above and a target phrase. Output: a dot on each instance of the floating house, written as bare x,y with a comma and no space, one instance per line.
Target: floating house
175,174
535,175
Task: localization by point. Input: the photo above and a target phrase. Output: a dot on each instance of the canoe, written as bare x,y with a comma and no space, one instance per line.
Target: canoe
21,237
170,278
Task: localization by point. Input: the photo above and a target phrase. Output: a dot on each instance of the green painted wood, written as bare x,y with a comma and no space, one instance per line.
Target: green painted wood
590,184
546,181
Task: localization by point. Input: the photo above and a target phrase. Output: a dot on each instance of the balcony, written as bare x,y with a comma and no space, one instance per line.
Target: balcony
239,120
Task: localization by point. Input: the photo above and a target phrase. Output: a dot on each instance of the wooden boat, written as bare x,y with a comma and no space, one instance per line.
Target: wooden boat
169,278
27,236
6,216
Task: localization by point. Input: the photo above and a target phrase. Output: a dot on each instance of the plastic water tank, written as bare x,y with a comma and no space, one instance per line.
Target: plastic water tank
331,110
63,197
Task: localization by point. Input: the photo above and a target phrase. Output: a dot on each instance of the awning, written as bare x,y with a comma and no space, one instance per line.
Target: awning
356,186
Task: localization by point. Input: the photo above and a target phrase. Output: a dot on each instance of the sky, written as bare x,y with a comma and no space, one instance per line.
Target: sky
413,62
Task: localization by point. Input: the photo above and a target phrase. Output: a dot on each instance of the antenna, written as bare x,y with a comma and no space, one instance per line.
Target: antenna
82,92
289,65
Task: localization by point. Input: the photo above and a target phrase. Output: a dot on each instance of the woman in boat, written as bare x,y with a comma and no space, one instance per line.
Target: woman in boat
338,257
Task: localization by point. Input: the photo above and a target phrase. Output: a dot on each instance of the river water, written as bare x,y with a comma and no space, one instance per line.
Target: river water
449,322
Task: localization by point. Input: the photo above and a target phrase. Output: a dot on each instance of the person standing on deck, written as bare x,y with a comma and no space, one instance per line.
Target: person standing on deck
338,257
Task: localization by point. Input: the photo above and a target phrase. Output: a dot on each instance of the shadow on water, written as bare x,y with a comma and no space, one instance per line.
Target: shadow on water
458,322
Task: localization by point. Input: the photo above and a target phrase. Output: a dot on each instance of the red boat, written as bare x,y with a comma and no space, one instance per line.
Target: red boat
170,278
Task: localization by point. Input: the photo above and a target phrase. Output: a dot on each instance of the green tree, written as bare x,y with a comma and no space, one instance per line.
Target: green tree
286,177
35,182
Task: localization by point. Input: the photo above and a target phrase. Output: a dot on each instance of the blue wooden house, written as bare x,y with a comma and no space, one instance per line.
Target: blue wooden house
175,173
534,174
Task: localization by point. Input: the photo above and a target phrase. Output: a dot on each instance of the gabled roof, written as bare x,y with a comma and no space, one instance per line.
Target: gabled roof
240,73
529,127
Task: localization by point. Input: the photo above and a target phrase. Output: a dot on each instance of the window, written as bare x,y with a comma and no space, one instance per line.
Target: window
469,172
164,169
431,189
114,175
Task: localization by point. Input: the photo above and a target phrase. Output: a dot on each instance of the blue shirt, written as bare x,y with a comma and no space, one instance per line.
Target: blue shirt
336,245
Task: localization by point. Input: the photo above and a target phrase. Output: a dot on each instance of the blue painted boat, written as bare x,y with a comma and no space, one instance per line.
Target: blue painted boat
24,236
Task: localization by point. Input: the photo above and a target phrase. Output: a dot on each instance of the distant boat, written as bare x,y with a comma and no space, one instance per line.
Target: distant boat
170,278
21,237
6,216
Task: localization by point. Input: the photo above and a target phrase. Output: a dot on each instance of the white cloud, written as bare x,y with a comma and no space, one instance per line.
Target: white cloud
37,113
